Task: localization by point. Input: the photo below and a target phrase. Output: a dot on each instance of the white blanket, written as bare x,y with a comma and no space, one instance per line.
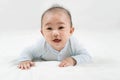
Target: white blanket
49,70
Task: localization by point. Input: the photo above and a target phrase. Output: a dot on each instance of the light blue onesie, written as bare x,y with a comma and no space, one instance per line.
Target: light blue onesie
43,51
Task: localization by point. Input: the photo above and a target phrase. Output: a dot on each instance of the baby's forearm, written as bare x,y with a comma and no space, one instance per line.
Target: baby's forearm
82,59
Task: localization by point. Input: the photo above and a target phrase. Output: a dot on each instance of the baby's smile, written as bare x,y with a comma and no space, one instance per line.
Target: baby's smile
57,40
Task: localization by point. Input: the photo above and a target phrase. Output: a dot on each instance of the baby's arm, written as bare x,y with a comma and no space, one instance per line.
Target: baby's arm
26,64
28,55
25,60
79,57
79,54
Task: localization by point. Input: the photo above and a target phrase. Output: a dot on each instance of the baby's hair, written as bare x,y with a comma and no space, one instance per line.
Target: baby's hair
57,7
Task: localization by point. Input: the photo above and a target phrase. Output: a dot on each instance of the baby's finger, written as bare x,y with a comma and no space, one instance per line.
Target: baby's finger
25,66
32,64
62,64
66,64
21,66
28,66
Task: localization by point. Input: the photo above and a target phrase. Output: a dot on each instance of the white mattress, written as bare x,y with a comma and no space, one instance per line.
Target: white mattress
103,46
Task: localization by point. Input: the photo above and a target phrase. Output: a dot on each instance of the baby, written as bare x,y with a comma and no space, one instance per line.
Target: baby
57,43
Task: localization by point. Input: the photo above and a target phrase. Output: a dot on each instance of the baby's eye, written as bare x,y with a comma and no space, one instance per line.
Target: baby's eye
49,28
61,27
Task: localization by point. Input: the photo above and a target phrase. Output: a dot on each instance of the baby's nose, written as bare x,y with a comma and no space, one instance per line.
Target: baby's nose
55,33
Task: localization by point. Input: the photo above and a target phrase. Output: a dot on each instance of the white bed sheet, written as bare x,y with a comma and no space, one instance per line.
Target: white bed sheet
103,47
49,70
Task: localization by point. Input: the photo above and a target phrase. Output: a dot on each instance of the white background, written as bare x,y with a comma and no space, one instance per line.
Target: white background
97,26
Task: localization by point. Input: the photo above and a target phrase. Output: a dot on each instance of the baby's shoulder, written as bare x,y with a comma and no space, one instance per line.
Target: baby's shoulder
74,40
40,42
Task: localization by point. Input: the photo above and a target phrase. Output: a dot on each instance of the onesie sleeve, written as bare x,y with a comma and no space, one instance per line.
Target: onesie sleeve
33,52
79,53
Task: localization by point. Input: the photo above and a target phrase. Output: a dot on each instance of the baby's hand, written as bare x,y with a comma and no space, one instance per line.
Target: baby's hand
24,65
67,62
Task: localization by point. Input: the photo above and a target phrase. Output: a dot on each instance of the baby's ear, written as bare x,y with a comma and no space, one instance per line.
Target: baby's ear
71,30
41,32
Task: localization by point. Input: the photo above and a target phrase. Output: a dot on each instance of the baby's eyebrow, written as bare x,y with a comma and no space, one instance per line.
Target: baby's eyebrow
60,23
47,24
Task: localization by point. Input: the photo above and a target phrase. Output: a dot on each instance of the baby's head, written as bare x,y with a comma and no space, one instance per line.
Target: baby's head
56,26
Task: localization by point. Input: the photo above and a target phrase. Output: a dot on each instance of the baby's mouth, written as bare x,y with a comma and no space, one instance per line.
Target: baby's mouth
57,40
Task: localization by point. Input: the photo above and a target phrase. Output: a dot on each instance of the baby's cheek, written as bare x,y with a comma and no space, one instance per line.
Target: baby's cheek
48,35
65,34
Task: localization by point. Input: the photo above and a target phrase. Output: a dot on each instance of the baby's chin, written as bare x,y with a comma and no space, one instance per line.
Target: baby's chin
58,47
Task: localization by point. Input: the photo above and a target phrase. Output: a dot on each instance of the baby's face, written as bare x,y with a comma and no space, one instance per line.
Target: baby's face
56,29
